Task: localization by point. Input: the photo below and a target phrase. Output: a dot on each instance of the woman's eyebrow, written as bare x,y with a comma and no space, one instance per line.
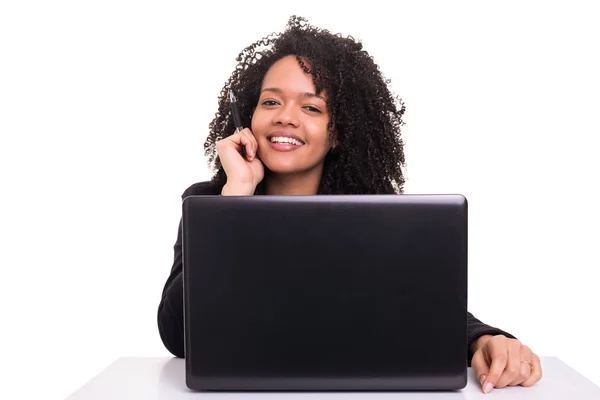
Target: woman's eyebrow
279,91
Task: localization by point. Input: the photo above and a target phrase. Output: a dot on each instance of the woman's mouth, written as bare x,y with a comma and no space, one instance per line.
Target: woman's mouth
283,143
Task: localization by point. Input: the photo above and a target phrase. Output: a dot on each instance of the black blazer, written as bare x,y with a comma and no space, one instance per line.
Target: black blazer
170,309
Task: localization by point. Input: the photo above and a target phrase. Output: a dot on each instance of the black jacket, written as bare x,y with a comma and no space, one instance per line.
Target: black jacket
170,309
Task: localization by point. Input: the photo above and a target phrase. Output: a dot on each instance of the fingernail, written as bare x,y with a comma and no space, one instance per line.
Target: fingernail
488,387
481,379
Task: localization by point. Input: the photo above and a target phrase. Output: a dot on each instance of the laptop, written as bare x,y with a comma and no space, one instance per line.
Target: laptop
325,292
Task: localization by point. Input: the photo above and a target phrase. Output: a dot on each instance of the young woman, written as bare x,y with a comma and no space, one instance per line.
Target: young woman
320,119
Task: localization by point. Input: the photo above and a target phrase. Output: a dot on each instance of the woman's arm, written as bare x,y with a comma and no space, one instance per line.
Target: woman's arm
170,309
478,330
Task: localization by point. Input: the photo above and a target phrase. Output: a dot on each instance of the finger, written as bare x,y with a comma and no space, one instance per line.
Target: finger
536,372
252,139
251,136
248,142
480,366
498,352
526,353
512,371
525,368
524,373
245,142
233,141
231,147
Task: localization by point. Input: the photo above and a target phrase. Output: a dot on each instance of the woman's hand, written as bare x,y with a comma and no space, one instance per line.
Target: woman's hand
499,362
243,172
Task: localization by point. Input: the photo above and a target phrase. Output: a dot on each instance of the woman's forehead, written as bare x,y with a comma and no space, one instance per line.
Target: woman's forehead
287,78
294,92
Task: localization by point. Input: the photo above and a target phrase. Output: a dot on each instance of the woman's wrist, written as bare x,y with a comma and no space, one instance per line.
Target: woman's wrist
238,189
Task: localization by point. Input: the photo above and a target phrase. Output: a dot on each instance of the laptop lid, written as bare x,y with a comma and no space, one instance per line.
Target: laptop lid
325,292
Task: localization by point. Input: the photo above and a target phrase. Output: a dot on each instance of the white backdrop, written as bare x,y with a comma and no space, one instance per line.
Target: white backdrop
104,108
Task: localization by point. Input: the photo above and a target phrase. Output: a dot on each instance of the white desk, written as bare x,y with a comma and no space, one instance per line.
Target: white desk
164,378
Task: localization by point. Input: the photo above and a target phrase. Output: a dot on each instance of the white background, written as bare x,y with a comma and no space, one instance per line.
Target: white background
104,108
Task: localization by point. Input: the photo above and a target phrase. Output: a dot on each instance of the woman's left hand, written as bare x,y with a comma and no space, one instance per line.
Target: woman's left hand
499,362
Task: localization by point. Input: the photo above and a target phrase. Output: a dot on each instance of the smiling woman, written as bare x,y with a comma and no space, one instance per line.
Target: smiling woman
320,119
327,93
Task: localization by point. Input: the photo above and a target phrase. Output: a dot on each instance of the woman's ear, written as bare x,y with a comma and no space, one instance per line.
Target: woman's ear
333,137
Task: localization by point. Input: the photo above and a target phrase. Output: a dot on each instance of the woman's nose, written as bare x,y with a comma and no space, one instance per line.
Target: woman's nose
287,115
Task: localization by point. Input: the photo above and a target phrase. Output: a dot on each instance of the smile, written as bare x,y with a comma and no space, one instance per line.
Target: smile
285,143
285,140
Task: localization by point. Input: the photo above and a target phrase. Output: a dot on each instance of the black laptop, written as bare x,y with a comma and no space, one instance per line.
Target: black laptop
325,293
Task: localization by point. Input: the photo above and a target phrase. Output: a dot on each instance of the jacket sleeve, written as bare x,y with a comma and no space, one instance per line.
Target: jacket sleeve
476,329
170,309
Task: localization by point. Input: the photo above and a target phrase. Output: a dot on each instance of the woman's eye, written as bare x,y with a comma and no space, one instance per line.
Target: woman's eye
269,103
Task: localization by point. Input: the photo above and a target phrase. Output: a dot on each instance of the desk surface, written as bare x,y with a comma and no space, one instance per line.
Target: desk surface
164,378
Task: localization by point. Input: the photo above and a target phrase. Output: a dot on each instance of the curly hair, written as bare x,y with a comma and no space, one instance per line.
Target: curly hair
365,116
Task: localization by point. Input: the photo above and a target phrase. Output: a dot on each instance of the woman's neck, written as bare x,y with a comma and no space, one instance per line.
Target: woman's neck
292,184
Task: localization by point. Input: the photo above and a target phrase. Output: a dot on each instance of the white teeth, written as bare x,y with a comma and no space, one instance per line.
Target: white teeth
286,140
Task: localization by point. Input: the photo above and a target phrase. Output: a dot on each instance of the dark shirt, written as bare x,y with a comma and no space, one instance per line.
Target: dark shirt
170,309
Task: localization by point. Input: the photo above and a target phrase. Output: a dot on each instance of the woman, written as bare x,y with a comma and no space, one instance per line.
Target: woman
320,119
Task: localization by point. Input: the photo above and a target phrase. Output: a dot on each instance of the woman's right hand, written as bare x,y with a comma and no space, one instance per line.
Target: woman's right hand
243,173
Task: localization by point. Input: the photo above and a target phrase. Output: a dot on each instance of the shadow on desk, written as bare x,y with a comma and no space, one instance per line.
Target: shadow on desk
172,377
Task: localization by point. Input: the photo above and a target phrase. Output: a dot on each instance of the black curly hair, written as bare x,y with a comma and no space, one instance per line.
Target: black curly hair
364,114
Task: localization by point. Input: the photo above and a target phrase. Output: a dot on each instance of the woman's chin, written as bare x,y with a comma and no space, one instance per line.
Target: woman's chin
281,168
286,164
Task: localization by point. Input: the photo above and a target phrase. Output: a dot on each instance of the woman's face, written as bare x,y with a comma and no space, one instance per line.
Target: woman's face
290,120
